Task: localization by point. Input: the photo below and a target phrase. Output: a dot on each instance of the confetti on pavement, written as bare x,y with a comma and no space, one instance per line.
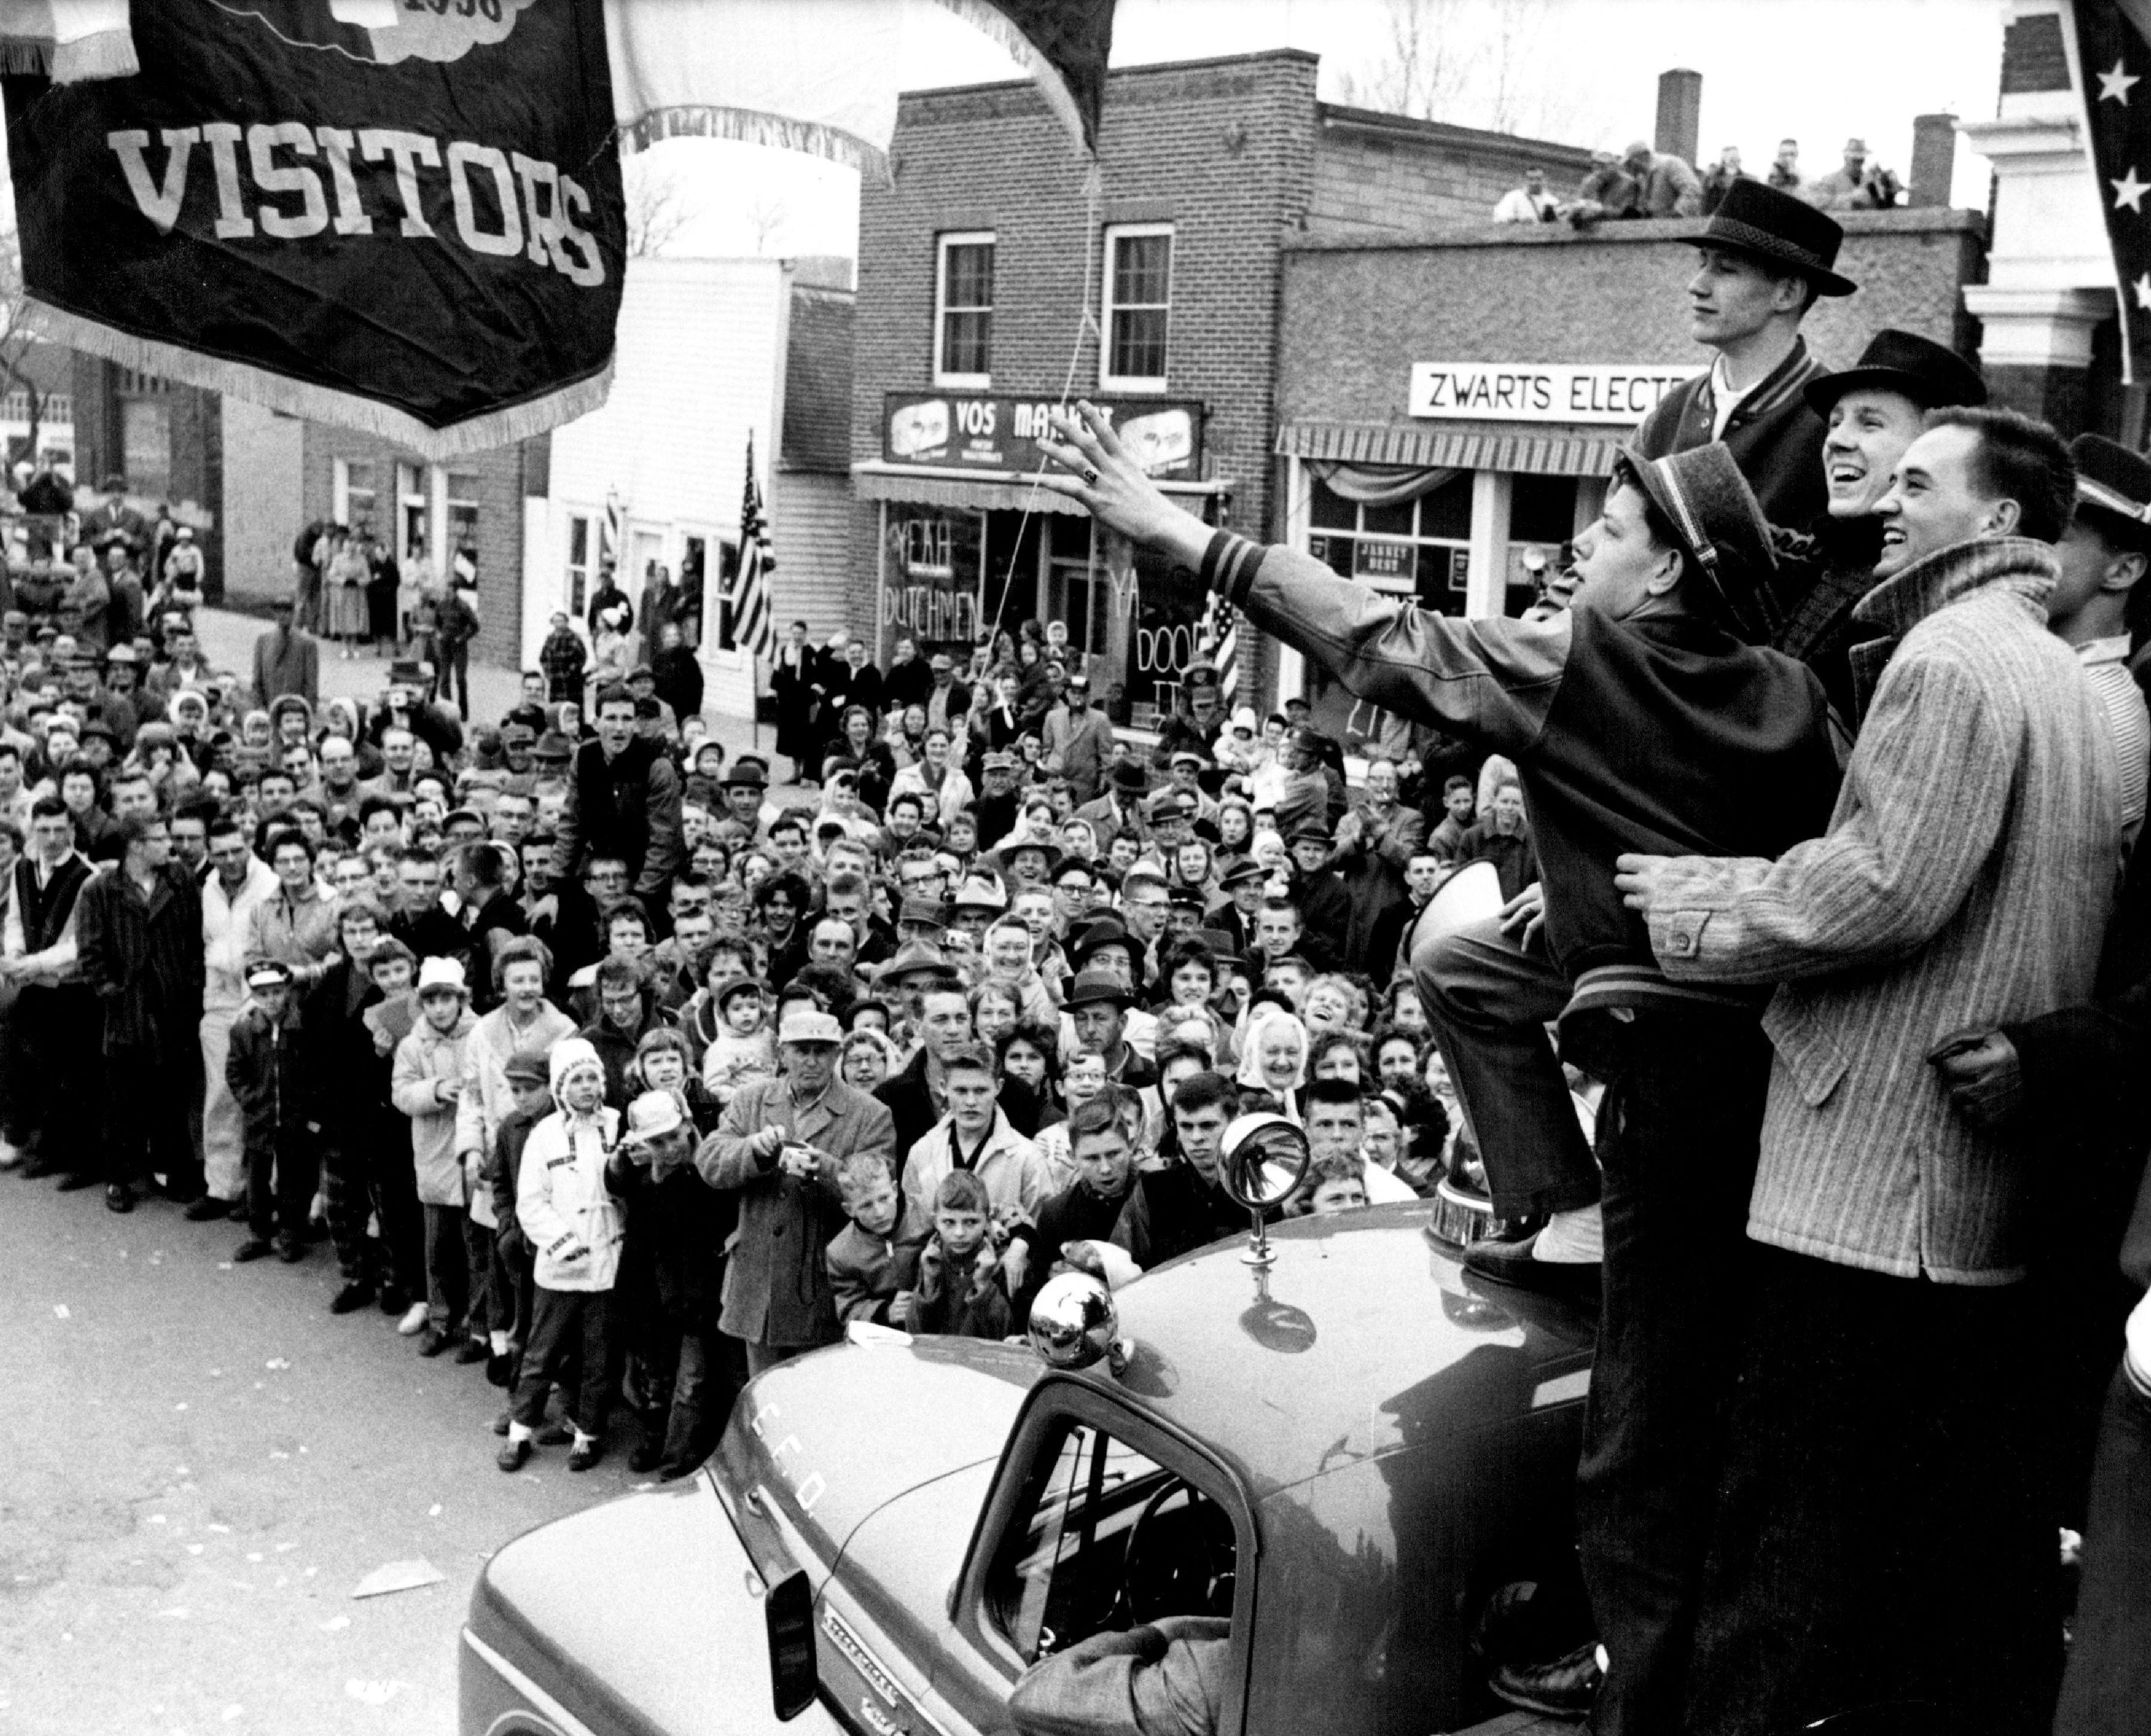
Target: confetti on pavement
60,1311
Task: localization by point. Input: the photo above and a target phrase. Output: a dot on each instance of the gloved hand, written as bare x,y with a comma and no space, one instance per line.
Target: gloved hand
1983,1075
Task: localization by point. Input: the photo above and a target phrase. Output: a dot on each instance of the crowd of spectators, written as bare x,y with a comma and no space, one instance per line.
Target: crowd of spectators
1641,182
530,1022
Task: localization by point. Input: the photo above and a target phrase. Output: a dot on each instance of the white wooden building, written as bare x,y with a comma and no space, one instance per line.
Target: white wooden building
712,353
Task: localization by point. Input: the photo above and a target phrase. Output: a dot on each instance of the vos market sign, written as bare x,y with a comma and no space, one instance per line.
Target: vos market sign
1532,391
415,228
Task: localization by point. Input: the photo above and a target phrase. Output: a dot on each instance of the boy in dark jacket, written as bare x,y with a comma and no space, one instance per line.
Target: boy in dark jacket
263,1072
679,1224
959,1278
528,1084
873,1260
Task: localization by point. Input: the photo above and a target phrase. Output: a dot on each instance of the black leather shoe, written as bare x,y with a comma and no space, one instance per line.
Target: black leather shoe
254,1247
208,1209
1562,1687
433,1342
513,1453
119,1198
500,1423
586,1454
1510,1263
392,1300
290,1250
500,1370
648,1455
75,1181
472,1350
352,1297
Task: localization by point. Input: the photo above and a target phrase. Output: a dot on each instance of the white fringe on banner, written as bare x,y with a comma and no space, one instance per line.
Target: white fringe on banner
989,20
756,126
322,404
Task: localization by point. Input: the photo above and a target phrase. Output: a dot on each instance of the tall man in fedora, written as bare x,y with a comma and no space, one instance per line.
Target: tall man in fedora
1765,256
1644,710
1871,412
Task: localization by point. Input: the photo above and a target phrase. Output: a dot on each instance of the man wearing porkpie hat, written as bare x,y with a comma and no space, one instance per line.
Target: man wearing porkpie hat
1120,807
1658,645
1764,258
1871,412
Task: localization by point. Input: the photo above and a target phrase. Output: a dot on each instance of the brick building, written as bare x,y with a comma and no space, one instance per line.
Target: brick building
471,504
165,441
1449,403
978,263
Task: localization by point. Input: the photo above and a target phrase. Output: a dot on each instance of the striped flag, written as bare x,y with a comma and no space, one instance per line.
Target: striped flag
1221,646
754,629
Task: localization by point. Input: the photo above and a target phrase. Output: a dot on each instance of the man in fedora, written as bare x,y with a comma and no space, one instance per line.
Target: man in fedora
1120,807
287,659
1661,637
1078,740
1097,1004
1870,413
744,787
1765,256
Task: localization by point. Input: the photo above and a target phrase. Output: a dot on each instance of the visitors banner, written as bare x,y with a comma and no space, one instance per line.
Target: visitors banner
407,215
419,231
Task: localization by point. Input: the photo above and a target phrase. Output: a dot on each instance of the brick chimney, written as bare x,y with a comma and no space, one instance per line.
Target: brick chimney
1933,160
1680,113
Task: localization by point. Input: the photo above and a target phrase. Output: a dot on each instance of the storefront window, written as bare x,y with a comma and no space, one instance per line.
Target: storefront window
934,579
1418,548
462,514
1541,521
360,496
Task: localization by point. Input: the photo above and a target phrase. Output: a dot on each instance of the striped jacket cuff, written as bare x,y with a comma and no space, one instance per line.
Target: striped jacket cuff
1229,566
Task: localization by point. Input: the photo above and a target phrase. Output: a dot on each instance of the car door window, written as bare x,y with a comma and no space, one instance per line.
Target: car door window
1109,1539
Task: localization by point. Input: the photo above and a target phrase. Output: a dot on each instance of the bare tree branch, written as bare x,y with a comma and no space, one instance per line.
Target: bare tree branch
766,217
1471,62
16,339
656,209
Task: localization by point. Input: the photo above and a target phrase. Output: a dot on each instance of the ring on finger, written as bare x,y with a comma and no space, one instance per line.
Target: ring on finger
1091,475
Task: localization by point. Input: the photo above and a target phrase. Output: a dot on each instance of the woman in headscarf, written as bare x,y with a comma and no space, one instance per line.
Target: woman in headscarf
1274,1061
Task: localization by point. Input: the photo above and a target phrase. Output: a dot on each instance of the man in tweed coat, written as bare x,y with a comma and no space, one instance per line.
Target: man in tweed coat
780,1148
1883,1532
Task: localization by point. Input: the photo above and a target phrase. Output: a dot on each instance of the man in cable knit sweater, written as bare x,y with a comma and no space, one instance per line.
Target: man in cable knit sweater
1883,1532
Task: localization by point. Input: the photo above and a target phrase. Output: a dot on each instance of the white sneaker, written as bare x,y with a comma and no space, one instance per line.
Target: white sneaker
413,1321
11,1154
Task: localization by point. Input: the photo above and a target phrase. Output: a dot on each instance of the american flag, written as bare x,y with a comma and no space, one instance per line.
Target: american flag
753,626
609,534
1221,646
2115,59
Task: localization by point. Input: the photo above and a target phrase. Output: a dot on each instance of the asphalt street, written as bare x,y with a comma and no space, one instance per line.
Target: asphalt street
201,1465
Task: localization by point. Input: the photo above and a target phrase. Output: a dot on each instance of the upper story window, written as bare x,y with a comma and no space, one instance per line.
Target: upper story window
1138,298
964,310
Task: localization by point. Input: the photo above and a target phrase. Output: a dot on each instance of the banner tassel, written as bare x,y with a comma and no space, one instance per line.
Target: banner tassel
320,403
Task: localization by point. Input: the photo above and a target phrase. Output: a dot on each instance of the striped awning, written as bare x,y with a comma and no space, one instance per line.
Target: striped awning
915,486
1539,449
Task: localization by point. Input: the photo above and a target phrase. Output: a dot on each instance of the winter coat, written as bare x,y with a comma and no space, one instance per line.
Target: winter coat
487,1101
227,926
266,1075
676,1232
424,1060
144,957
1016,1179
564,1204
866,1270
952,1301
776,1281
732,1060
627,807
